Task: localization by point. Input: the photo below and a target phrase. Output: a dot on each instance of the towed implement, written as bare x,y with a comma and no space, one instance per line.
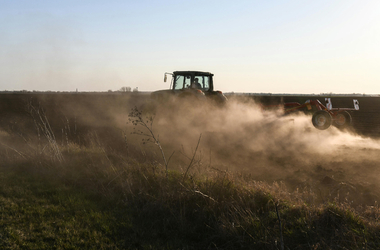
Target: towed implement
324,116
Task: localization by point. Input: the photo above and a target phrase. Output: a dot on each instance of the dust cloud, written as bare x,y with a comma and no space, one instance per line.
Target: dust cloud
239,139
267,146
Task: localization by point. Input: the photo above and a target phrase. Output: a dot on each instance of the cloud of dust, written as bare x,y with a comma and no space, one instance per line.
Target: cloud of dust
269,146
239,137
243,129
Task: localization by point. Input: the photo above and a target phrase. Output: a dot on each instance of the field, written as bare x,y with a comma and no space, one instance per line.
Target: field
81,170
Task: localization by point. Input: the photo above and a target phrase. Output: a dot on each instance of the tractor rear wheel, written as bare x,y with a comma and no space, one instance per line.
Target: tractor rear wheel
321,120
342,119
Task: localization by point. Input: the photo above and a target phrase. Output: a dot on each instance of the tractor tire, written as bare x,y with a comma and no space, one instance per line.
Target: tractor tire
321,120
221,99
342,120
217,100
191,99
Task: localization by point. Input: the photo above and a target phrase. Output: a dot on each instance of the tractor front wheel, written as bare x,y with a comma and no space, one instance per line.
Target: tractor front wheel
321,120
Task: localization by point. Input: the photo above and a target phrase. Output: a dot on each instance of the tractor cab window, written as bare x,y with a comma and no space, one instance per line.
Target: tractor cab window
204,82
182,82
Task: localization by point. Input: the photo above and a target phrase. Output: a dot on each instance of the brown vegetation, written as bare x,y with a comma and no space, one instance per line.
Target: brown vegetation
224,173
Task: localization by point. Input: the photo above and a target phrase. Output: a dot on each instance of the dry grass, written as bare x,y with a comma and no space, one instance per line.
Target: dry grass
121,195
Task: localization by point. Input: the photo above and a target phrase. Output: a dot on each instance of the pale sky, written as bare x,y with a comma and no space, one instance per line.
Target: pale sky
271,46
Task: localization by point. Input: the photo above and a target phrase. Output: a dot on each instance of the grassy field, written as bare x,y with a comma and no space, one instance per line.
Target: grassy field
76,178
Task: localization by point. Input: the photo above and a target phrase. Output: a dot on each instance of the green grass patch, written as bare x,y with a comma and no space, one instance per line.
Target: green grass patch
37,213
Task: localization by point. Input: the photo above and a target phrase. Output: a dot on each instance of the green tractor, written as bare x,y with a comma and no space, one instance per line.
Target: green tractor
191,85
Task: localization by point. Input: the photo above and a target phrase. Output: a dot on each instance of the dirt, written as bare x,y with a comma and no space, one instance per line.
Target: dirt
239,139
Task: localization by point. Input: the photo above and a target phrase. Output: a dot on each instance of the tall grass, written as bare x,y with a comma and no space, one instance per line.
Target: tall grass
99,197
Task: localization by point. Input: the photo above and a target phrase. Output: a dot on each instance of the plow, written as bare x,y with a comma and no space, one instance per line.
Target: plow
324,115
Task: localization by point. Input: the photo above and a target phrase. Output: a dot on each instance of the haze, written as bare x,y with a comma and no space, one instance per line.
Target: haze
251,46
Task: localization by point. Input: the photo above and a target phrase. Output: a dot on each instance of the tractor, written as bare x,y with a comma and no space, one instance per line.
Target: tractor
193,85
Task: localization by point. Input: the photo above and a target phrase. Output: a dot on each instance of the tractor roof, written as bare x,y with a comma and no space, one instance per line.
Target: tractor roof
193,73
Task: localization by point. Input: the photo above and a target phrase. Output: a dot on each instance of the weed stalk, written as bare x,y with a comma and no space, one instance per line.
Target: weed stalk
136,118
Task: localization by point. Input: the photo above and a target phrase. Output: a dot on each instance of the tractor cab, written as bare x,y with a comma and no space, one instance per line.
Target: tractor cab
191,80
190,84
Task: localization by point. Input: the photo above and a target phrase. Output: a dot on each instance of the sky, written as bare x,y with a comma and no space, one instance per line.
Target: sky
272,46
